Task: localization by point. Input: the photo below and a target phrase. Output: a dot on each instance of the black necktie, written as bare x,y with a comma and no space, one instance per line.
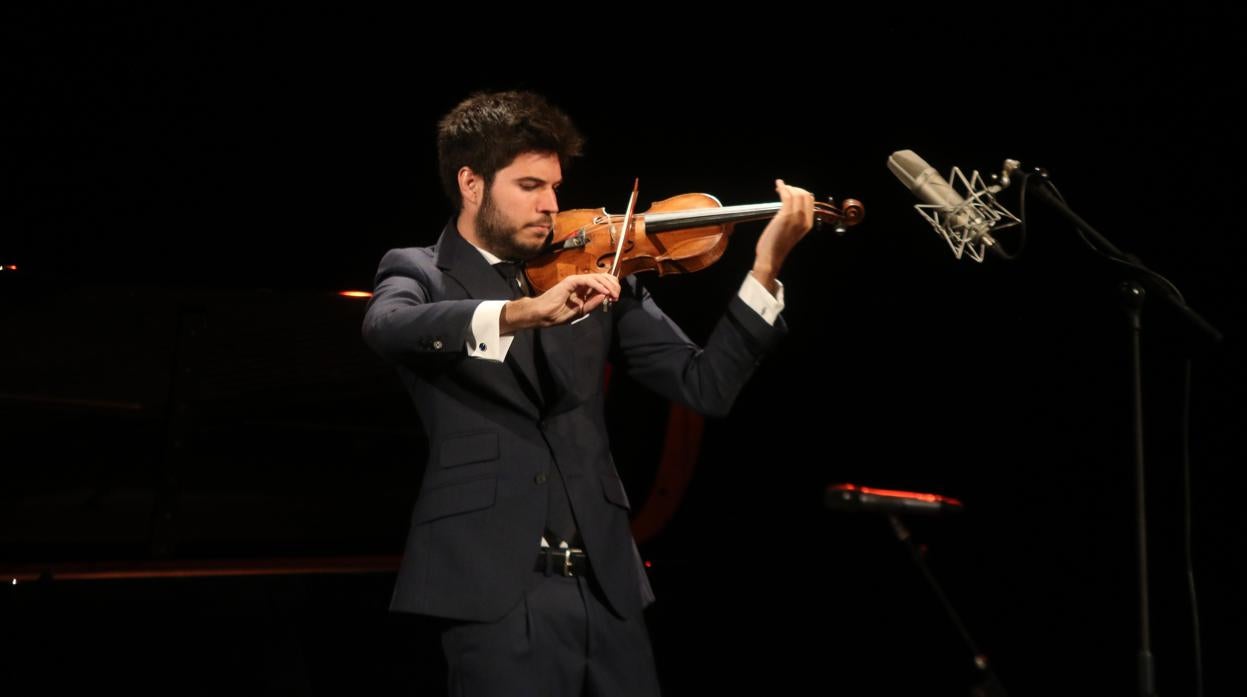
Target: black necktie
560,524
510,270
522,344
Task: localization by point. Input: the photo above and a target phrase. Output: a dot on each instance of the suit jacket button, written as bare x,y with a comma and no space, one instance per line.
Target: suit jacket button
437,344
540,478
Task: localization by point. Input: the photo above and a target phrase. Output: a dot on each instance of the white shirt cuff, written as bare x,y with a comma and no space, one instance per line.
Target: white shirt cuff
760,299
484,341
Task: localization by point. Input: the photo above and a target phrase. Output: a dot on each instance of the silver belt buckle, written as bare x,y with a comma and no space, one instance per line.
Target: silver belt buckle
567,561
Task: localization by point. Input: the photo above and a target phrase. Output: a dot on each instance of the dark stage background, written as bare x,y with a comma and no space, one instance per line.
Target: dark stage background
185,192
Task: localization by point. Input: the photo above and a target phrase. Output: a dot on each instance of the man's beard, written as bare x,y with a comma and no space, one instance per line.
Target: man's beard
499,235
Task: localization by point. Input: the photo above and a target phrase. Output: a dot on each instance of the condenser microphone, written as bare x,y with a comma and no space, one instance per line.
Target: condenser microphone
965,223
934,190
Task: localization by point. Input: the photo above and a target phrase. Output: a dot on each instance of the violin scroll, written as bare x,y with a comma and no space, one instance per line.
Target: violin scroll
844,216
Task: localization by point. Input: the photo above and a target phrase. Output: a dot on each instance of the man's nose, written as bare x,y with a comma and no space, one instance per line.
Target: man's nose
549,202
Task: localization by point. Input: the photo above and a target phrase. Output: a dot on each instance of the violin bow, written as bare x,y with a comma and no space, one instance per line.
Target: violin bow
636,185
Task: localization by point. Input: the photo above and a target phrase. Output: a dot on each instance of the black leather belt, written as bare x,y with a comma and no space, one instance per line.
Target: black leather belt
563,562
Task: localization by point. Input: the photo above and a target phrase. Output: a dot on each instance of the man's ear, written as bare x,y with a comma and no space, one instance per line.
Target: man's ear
471,185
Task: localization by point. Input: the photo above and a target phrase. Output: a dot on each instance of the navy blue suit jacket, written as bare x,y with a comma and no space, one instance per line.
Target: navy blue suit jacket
481,508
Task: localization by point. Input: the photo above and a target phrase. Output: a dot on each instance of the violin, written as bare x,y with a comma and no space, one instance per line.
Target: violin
682,234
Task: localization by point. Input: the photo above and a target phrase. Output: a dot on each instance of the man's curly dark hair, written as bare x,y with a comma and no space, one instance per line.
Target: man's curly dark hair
488,130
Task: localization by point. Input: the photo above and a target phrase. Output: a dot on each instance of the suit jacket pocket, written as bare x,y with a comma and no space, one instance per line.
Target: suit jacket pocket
613,488
453,498
469,448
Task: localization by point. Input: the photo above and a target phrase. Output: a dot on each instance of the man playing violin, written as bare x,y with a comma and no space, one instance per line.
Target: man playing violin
520,537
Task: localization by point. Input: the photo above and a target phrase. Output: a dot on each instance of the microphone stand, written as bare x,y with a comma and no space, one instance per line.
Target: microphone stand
988,684
1133,295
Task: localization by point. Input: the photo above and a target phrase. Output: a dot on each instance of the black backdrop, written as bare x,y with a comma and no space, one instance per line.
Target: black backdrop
185,191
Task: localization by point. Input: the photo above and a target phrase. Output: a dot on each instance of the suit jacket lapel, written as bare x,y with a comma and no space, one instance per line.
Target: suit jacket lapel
464,263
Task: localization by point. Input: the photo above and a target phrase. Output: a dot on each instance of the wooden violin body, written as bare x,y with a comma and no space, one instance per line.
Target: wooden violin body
681,234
